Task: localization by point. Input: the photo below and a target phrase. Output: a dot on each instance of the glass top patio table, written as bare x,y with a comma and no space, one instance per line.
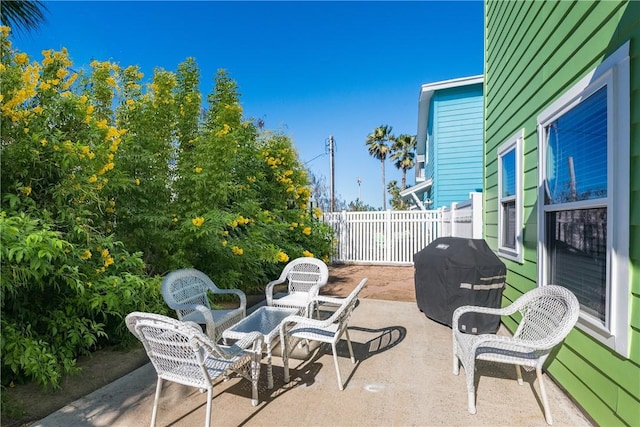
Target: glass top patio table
265,320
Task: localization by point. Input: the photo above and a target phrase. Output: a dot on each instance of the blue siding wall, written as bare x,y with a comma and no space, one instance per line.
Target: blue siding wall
457,144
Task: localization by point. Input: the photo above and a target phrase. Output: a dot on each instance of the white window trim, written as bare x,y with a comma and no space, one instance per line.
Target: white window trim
513,143
614,72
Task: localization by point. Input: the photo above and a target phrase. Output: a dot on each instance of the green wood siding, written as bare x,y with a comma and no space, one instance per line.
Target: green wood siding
534,52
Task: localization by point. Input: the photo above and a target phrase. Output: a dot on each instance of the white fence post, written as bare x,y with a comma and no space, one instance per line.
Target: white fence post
387,236
476,209
454,229
343,239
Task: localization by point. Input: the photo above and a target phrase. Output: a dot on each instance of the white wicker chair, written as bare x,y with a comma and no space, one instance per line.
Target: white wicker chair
296,328
185,291
182,353
548,315
304,277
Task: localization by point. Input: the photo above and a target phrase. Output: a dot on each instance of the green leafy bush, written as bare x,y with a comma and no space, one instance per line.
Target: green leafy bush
109,182
66,283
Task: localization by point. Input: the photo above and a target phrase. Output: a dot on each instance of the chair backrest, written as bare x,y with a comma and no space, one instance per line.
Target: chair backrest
548,315
343,313
304,273
186,286
175,347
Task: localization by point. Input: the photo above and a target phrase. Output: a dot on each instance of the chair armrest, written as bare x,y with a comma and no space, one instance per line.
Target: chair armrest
302,320
268,290
252,341
183,307
241,295
505,311
328,299
210,324
508,343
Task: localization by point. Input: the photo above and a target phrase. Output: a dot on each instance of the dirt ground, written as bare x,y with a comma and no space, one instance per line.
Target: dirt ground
385,282
105,366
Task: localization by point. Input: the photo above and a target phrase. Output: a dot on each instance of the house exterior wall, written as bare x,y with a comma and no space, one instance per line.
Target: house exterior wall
455,144
429,165
535,52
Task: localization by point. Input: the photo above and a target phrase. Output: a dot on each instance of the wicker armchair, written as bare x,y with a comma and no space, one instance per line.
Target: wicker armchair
296,328
548,315
182,353
304,277
185,291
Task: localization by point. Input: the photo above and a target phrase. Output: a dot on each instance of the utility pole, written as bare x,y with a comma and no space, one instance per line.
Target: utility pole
358,180
333,181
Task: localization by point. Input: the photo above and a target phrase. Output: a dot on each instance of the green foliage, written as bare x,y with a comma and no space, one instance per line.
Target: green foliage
108,183
396,200
25,15
359,206
376,143
66,282
402,153
244,214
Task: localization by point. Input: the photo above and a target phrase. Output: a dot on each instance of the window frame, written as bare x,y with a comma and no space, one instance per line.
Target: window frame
515,143
614,74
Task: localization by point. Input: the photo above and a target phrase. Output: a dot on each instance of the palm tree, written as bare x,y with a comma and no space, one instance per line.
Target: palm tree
378,148
403,155
24,15
396,200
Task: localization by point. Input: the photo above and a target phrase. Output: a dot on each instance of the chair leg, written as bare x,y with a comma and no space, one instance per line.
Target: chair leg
154,413
471,397
335,361
456,362
471,389
543,394
207,421
519,374
346,334
255,377
285,359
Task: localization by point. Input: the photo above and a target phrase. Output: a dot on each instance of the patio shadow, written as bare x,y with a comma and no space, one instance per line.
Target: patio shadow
379,340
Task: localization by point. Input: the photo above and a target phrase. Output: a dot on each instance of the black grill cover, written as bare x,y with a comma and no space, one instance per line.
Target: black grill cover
453,271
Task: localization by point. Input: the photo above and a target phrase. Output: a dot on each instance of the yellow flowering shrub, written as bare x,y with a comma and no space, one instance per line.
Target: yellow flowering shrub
86,254
53,143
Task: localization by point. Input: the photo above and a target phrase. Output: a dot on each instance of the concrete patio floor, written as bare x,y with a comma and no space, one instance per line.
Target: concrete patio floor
402,377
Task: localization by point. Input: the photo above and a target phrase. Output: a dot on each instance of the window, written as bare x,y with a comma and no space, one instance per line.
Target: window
509,199
583,217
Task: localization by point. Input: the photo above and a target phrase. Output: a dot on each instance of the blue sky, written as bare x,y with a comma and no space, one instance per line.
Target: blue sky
309,69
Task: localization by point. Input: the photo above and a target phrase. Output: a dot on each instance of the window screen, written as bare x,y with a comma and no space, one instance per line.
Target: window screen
509,174
509,224
577,242
576,164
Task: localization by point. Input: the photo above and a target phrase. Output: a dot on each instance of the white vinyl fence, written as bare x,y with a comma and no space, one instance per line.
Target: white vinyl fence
392,237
